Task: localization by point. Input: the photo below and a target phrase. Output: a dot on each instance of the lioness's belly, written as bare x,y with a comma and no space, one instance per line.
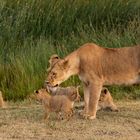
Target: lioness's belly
120,80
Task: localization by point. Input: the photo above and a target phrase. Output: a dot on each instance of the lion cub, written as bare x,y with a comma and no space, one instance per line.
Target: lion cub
106,100
2,103
59,103
68,91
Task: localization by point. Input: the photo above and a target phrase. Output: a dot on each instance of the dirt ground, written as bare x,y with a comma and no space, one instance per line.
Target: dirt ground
24,121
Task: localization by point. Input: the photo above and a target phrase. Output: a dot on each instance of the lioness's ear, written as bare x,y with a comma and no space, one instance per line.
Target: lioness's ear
65,63
53,59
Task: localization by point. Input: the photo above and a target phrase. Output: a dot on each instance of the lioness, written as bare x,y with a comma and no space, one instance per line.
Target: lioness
57,103
97,66
106,100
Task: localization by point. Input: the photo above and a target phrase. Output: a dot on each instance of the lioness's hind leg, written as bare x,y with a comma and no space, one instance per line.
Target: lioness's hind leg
86,101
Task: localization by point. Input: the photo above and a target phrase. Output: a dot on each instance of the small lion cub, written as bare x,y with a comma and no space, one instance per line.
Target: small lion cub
60,104
68,91
106,100
2,103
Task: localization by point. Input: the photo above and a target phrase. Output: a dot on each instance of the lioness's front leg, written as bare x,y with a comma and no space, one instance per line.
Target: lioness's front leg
94,95
86,99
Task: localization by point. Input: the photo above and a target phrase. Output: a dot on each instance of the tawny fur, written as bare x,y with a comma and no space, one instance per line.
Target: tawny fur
97,66
72,92
106,100
60,104
53,59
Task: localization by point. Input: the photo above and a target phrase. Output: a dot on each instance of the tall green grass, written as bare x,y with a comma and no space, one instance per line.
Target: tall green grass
31,31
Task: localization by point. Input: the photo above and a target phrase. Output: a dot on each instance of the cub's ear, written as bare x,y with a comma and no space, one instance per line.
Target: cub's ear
105,90
53,59
36,91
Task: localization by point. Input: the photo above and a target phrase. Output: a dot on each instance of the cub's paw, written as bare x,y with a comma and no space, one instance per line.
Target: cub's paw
115,110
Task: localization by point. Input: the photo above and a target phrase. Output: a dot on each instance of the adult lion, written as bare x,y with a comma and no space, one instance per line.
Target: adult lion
97,66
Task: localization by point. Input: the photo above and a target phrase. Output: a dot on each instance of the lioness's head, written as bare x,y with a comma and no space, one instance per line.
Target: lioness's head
58,72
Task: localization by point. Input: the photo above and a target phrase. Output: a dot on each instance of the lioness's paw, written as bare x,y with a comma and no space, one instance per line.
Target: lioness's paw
86,116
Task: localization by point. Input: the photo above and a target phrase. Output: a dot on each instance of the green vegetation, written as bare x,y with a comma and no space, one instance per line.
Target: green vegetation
31,31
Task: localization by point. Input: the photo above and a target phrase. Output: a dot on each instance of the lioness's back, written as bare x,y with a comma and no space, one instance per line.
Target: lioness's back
115,65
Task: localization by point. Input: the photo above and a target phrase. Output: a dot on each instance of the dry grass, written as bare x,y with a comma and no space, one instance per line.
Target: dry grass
23,120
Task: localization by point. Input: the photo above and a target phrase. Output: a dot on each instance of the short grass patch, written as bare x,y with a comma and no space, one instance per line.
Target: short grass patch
24,121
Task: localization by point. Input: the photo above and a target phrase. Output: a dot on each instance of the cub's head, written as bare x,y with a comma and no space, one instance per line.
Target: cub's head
58,71
106,100
105,95
41,94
